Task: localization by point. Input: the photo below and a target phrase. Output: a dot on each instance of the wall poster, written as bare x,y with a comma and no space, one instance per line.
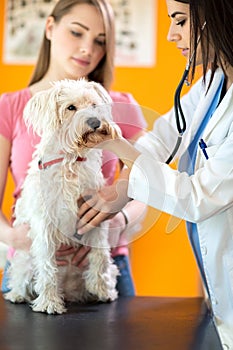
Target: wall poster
135,31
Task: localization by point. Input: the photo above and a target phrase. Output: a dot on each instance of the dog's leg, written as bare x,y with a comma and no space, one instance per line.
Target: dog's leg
49,299
48,302
20,276
100,278
101,274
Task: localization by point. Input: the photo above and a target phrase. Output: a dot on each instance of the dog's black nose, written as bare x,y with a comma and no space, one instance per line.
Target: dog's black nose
94,123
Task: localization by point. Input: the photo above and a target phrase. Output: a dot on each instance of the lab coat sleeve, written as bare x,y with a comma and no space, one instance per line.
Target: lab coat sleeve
192,198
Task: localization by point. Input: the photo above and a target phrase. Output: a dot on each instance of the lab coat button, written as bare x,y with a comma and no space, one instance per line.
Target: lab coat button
214,301
204,250
225,346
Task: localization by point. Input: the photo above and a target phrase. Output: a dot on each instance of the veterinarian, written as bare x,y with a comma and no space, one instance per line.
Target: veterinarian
198,130
78,42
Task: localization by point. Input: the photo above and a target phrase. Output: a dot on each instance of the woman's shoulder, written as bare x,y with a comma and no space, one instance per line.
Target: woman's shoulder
127,114
14,102
124,97
11,110
16,96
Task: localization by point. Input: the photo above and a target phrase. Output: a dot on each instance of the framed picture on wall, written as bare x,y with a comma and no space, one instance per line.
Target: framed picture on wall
135,31
23,29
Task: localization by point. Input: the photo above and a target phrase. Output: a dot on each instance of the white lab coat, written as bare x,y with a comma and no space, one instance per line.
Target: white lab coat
205,198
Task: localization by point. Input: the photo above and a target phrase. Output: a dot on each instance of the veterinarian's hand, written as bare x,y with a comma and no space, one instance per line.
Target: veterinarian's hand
18,239
102,205
78,256
105,142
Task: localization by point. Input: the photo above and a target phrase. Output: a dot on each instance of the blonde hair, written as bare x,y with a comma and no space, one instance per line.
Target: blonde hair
103,73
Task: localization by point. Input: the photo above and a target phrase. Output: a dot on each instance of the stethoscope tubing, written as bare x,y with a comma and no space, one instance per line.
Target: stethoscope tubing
179,115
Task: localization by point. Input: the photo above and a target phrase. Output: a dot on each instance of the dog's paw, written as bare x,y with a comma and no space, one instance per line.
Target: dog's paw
112,295
102,288
109,296
49,307
14,297
103,294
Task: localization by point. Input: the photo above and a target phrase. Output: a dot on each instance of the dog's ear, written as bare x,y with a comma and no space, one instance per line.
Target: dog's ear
41,111
102,92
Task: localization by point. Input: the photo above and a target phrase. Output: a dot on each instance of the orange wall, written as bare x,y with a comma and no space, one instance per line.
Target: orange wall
162,263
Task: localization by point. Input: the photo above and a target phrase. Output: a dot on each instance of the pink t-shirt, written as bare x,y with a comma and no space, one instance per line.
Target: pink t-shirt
126,113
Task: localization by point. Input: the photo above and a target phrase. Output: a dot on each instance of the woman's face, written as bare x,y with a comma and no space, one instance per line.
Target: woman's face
179,30
77,42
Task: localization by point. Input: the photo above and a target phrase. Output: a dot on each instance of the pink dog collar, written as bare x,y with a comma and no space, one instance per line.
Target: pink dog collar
45,165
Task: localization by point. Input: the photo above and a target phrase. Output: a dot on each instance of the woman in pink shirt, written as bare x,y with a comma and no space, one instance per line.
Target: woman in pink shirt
78,42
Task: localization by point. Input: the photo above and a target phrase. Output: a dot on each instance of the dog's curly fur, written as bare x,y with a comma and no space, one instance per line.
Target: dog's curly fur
66,116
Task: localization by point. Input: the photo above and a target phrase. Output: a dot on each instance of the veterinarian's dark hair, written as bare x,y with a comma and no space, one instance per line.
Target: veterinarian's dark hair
217,35
103,73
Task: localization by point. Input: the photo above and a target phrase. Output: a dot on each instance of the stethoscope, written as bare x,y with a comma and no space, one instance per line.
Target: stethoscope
179,114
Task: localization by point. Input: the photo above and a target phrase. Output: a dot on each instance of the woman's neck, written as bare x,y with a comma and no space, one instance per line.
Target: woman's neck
229,76
43,84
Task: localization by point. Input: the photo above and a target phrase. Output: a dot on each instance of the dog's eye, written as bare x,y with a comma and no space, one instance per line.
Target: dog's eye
72,108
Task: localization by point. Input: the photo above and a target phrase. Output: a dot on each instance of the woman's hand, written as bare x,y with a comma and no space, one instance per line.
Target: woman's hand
78,255
17,237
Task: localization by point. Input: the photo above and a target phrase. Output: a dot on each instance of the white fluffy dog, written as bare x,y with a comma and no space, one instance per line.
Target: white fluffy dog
66,116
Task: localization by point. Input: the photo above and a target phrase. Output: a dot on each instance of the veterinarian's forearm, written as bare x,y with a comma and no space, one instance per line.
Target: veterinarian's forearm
124,150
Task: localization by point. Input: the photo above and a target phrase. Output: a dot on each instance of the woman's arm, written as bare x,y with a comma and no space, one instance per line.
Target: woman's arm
15,237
